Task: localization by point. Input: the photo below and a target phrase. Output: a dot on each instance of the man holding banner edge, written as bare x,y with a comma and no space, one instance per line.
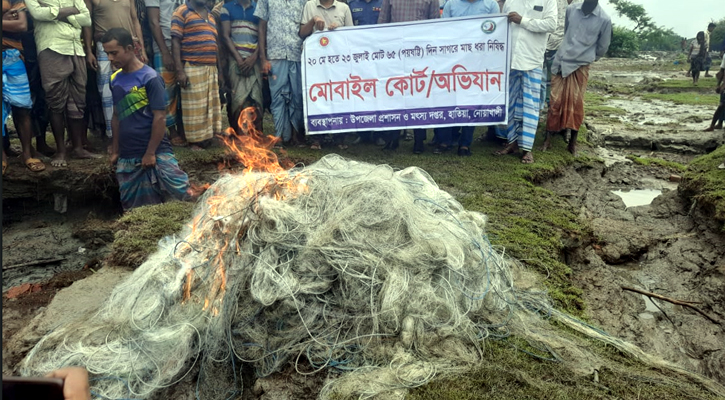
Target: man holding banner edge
454,9
530,22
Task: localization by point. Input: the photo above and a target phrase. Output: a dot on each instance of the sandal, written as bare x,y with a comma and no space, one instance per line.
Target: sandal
315,146
528,158
509,149
34,165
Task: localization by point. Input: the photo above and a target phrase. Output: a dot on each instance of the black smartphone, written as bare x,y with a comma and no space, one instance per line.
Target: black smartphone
18,388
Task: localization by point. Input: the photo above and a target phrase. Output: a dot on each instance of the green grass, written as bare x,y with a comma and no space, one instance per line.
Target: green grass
705,183
507,373
138,232
670,165
697,99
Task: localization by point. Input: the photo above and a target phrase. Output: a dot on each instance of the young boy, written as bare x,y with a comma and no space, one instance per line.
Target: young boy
717,119
146,169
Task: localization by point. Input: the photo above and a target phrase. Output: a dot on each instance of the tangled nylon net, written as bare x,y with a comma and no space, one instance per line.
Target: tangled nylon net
345,266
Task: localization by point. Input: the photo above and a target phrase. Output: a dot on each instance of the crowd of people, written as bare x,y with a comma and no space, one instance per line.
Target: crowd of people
172,64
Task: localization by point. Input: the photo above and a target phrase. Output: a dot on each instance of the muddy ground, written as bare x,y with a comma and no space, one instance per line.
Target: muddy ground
666,247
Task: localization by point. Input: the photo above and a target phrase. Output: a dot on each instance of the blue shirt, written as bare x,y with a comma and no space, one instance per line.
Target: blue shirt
135,96
464,8
365,12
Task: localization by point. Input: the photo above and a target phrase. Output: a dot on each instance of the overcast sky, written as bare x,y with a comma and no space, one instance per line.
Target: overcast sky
685,17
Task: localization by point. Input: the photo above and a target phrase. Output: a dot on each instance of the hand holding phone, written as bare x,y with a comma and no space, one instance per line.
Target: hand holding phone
64,384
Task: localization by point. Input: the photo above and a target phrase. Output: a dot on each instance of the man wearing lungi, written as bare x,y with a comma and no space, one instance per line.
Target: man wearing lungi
194,47
531,21
63,70
587,38
280,51
16,87
146,169
240,35
159,14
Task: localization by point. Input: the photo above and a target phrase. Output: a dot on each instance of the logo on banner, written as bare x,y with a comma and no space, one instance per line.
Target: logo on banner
488,26
324,41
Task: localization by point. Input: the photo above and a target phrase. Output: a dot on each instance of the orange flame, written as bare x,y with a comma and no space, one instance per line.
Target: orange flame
254,151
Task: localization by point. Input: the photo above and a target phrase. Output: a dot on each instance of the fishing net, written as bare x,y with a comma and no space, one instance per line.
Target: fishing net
341,265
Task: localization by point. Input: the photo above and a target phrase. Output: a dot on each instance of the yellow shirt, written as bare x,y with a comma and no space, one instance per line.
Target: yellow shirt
59,36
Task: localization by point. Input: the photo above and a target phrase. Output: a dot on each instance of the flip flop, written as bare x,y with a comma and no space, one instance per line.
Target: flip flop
34,165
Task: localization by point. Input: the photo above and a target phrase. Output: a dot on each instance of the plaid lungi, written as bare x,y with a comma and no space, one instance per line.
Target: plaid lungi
144,186
200,103
244,88
566,110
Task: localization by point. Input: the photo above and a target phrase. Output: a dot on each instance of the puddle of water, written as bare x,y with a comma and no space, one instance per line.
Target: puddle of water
639,197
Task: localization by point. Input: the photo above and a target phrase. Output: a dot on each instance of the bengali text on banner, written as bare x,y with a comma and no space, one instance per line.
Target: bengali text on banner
408,75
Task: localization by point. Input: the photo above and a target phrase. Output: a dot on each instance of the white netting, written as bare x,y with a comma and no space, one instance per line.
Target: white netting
373,272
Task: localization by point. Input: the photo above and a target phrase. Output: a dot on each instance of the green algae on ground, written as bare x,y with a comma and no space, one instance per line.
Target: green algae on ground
705,183
647,161
139,231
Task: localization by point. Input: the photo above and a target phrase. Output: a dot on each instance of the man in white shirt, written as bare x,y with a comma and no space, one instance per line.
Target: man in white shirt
531,21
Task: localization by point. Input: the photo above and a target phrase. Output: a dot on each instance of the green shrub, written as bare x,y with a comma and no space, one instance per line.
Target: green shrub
624,43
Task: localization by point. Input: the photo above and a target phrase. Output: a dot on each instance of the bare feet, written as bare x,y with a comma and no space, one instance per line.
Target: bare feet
509,149
84,154
528,158
59,161
572,148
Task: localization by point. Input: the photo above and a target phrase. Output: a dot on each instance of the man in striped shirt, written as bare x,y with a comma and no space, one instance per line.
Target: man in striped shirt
239,29
194,47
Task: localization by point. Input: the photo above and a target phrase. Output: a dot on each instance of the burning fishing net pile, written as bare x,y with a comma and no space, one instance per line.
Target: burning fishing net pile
341,265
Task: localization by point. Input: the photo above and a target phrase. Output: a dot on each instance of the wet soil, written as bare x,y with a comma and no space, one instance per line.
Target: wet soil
667,248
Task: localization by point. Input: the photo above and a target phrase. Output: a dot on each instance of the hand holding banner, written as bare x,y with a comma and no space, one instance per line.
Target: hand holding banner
393,76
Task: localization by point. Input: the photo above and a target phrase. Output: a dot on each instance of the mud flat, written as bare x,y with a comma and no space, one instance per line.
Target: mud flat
666,247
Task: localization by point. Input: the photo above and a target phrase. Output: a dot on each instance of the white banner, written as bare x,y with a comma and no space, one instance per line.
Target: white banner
423,74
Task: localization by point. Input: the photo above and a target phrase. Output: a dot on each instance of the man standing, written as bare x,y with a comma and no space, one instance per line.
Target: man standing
108,14
63,70
555,39
240,30
454,9
194,46
708,59
146,169
365,12
405,11
159,14
587,38
530,21
280,51
16,87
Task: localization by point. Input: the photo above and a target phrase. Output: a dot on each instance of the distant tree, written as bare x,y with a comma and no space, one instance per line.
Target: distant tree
718,35
635,12
659,39
624,43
